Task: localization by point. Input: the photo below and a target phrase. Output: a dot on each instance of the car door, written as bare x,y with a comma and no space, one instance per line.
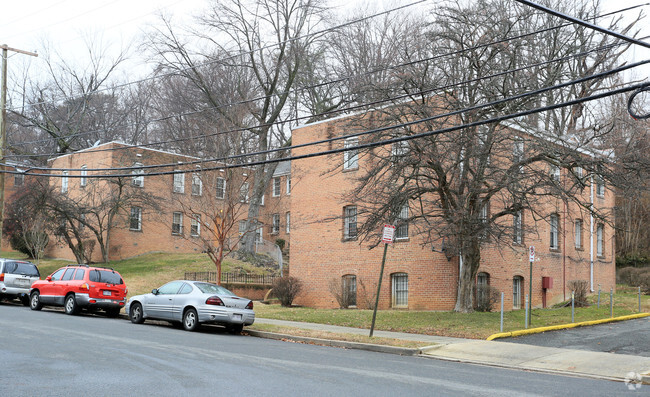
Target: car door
180,300
50,287
160,304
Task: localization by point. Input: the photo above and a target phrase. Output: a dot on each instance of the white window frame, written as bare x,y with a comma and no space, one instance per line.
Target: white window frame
518,152
220,192
600,240
179,182
136,214
554,236
600,186
351,154
83,181
177,230
399,290
242,228
517,227
288,222
288,185
402,230
195,225
275,224
577,233
399,150
244,192
517,285
64,182
198,183
138,176
349,220
277,187
555,172
349,289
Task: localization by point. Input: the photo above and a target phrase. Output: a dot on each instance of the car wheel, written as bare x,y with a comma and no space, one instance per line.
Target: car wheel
190,320
70,306
35,301
113,312
236,329
135,314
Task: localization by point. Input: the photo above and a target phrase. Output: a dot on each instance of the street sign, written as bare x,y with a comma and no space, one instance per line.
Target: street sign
532,253
387,236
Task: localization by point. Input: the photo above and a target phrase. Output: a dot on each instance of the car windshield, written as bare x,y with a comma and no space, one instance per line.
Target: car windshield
209,288
105,276
24,268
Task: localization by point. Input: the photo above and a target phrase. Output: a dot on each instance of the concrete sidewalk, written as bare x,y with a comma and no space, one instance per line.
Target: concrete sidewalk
618,367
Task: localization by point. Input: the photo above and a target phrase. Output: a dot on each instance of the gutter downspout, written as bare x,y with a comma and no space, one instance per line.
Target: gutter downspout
591,234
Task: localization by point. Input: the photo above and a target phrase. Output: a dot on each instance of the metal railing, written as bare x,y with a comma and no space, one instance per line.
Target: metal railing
243,278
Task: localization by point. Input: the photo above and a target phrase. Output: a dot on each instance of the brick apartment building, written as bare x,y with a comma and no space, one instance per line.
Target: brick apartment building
418,276
180,200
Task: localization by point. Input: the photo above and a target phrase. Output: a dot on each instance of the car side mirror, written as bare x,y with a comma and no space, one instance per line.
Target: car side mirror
154,291
48,278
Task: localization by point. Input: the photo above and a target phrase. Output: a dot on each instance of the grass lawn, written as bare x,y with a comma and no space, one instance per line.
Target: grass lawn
146,272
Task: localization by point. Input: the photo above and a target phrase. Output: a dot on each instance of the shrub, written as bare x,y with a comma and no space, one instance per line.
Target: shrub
486,297
579,288
628,275
280,243
286,289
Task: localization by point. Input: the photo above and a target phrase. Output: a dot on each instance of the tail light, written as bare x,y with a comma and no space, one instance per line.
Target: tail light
84,287
250,305
214,300
2,277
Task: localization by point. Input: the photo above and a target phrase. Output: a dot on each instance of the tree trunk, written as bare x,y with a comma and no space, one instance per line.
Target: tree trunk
470,259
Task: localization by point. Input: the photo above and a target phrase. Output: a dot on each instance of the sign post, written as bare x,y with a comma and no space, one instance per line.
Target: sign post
530,284
387,238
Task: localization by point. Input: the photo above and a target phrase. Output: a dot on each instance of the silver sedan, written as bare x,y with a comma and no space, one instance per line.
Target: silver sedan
192,303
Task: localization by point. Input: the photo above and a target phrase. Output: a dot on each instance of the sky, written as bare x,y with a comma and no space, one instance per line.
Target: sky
66,24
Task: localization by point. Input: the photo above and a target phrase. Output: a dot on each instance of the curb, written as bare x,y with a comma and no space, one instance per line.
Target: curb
402,351
565,326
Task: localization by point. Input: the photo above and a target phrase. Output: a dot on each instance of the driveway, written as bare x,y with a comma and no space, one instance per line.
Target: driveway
623,337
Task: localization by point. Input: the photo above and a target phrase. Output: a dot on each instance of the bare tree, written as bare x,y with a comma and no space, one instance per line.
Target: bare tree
468,187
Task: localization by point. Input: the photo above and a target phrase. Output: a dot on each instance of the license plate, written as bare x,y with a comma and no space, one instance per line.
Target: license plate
107,293
236,316
22,282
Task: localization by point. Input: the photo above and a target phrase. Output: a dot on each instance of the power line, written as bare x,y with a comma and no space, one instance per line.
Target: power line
438,56
372,131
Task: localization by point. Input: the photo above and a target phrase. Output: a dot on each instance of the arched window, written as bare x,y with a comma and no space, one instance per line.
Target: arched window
517,292
349,287
400,289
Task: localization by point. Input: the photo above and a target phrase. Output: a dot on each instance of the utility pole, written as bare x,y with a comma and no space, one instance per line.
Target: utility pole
3,124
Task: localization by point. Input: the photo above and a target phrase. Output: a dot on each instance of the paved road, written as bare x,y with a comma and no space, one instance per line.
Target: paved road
623,337
51,354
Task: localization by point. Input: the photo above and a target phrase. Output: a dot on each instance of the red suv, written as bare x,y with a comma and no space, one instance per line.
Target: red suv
80,286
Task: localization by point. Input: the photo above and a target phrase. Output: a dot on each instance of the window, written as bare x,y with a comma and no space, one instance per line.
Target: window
179,183
577,233
197,185
19,179
578,171
402,231
275,228
483,219
170,288
517,283
64,182
242,228
185,289
399,150
262,199
482,289
600,186
349,290
79,275
600,236
555,228
177,223
195,225
68,274
518,152
135,220
517,228
83,181
288,186
350,222
138,178
258,234
351,156
276,187
243,192
555,172
58,274
221,188
288,222
400,289
82,222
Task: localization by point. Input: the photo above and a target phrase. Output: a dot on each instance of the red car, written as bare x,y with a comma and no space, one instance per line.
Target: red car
77,287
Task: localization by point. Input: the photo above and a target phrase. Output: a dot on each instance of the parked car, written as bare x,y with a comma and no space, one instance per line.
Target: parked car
192,303
77,287
16,277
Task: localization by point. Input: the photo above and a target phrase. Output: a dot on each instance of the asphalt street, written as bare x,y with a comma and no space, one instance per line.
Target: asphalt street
49,353
624,337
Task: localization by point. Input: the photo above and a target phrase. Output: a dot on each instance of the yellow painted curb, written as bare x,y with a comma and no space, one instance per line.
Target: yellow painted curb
564,326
